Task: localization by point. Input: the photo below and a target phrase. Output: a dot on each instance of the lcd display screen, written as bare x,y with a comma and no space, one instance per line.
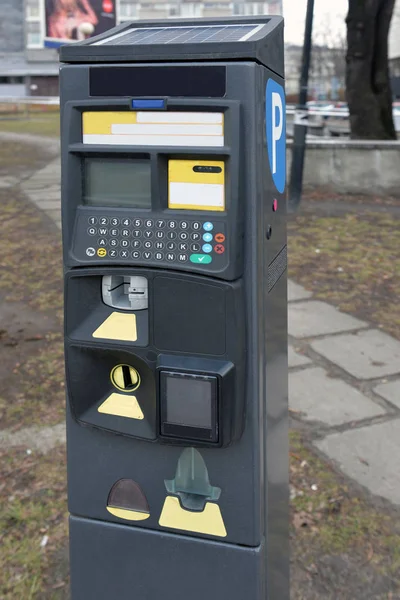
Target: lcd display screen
117,182
189,401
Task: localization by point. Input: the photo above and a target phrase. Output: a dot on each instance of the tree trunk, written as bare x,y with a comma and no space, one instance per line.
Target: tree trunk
369,94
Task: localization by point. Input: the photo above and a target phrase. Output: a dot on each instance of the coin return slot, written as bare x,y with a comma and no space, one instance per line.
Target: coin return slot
125,378
125,292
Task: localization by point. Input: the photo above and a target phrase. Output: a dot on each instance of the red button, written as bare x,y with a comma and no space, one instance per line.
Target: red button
275,205
219,249
219,237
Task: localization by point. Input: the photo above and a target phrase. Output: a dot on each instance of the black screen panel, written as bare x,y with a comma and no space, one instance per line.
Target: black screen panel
189,82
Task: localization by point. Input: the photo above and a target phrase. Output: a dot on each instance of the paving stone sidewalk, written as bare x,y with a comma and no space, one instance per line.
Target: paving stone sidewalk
344,377
344,383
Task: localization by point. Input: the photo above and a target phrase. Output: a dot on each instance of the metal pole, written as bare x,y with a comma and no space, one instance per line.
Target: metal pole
300,130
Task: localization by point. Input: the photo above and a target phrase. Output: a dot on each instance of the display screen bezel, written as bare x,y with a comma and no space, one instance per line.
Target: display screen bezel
175,430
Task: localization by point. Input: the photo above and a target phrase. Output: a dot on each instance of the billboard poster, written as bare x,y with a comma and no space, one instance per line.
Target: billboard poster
70,21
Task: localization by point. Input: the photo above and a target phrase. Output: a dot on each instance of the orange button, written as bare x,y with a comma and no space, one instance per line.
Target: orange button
219,237
219,249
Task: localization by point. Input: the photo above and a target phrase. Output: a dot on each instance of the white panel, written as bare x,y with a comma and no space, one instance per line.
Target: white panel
197,194
163,129
178,117
155,140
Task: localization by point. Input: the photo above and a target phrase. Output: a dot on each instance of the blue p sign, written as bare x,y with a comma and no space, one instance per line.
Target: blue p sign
275,107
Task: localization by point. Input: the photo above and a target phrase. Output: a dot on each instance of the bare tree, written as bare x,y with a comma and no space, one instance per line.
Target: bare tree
328,59
367,75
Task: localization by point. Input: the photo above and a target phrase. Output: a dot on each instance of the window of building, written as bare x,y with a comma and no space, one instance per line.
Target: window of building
32,9
191,9
128,9
12,79
34,34
34,16
275,8
251,8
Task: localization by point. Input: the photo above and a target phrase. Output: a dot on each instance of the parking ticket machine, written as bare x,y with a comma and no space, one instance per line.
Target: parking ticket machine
173,182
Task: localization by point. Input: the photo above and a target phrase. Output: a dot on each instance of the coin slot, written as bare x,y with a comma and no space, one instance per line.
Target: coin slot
125,378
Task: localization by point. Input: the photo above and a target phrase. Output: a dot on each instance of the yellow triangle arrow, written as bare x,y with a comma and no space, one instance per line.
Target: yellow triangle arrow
121,405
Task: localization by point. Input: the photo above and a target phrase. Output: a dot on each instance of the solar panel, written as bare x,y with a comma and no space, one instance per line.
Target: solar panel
200,34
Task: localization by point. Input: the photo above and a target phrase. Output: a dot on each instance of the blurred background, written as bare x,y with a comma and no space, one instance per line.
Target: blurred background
344,289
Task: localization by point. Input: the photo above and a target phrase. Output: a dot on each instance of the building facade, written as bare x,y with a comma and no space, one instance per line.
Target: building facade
326,76
27,67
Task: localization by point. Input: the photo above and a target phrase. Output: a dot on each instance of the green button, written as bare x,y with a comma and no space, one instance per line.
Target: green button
201,259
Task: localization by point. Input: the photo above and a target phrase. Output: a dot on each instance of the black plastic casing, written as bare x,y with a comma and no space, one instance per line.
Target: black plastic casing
235,327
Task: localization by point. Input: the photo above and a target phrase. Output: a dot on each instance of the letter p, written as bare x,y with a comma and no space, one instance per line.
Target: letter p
277,125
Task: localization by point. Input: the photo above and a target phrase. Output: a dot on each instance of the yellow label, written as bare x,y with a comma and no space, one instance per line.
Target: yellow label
128,515
149,128
181,171
122,405
192,187
209,521
100,122
118,326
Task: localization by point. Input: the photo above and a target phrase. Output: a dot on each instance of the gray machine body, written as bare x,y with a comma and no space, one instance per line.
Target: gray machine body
227,323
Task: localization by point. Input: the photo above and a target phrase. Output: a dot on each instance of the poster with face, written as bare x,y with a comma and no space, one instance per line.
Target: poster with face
75,20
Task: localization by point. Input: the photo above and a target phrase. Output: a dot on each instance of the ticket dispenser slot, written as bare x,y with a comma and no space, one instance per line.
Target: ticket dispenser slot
175,310
126,292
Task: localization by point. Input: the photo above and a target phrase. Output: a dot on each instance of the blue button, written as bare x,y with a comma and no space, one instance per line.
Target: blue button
207,248
207,237
149,104
208,226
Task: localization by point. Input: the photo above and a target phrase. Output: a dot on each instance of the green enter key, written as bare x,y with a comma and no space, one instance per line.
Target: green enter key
201,259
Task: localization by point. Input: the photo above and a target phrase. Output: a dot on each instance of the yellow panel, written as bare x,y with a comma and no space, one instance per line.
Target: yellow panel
128,515
118,326
121,405
181,171
209,521
196,207
99,122
189,190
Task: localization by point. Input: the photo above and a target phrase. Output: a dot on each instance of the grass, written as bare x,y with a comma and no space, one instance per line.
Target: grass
46,123
32,386
330,518
352,261
33,525
19,159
